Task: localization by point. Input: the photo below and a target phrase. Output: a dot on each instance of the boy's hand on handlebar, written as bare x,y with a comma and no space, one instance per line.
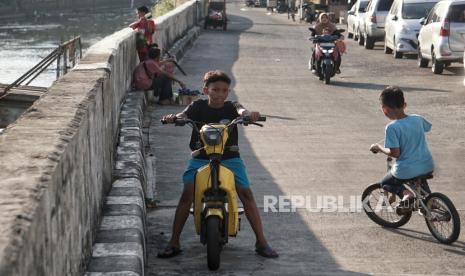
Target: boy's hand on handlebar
375,148
170,118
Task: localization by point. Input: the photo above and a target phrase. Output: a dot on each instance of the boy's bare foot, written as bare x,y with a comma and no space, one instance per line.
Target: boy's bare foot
266,251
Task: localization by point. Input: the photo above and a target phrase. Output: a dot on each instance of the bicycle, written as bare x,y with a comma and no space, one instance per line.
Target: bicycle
440,214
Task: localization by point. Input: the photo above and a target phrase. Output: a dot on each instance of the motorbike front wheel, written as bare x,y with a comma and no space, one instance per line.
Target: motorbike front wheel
444,222
328,73
213,242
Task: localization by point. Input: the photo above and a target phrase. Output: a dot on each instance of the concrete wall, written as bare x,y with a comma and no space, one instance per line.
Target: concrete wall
56,160
176,23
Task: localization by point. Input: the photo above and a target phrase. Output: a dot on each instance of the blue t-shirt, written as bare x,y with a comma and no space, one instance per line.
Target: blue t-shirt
408,134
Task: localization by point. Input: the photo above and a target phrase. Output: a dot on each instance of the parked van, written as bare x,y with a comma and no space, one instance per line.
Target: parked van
403,25
442,36
373,23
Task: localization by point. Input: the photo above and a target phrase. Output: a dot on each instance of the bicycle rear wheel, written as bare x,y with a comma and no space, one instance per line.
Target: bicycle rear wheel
444,222
379,207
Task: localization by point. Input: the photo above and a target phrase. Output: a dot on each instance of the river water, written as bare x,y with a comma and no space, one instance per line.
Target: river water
23,43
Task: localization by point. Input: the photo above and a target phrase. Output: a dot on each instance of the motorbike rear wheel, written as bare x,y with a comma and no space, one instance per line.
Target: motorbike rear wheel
213,242
444,223
379,210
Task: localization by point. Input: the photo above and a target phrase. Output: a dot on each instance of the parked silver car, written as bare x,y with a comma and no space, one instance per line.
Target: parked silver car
442,37
403,25
373,24
354,17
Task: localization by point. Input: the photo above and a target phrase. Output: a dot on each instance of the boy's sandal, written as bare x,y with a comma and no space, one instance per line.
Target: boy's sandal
169,252
266,251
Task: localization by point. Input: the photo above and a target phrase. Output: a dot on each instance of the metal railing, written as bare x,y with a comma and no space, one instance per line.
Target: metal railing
66,54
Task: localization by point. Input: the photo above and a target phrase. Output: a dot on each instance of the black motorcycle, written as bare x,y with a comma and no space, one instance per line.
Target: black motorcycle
325,58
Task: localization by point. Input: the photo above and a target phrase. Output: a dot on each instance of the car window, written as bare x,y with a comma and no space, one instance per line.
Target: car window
363,6
431,15
416,10
353,8
384,5
456,14
369,6
393,10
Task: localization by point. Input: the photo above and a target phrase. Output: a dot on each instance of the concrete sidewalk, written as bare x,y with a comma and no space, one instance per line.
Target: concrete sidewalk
314,143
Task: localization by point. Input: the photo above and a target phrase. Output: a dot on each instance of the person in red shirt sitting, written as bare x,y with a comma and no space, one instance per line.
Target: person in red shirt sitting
145,29
149,75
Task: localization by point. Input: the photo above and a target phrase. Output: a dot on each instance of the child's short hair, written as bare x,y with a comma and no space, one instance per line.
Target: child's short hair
143,9
154,52
214,76
393,97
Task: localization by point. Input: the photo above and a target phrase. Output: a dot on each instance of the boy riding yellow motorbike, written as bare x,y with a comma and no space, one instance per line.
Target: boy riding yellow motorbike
215,110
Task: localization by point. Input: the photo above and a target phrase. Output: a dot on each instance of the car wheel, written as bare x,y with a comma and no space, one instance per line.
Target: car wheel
361,39
387,50
436,66
422,62
369,42
349,34
395,53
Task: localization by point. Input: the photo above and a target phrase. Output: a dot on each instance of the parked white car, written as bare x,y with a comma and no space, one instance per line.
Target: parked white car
373,23
442,37
354,17
403,25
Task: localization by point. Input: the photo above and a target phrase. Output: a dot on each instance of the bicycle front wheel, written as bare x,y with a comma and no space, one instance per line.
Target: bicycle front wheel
379,207
444,222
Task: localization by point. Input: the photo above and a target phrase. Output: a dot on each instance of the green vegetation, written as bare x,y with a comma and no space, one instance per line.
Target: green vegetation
162,7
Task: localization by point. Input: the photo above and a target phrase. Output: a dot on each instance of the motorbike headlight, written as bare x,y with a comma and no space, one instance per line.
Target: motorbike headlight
212,136
328,51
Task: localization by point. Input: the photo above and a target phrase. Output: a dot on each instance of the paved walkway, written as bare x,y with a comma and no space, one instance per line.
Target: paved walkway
315,142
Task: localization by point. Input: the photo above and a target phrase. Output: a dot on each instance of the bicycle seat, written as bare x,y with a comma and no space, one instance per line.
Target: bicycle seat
420,177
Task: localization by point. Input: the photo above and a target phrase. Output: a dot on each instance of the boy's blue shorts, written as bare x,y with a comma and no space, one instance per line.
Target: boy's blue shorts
236,165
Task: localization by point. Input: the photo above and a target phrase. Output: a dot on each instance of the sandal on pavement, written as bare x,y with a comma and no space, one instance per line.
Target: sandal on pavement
169,252
266,251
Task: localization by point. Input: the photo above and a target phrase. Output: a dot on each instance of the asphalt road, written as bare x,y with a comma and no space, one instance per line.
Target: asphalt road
315,143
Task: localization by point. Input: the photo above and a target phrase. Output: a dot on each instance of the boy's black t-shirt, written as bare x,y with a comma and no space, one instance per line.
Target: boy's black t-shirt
200,111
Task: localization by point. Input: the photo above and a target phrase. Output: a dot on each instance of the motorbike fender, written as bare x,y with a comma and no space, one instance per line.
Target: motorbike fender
228,184
214,212
326,62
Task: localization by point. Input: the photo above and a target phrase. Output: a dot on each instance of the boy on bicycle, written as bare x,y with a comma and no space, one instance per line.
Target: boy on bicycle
213,110
404,140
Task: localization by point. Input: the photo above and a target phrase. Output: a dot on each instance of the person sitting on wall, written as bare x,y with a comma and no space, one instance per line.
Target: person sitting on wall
149,75
145,27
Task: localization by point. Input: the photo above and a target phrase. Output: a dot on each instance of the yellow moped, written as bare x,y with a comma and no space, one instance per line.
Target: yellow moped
216,212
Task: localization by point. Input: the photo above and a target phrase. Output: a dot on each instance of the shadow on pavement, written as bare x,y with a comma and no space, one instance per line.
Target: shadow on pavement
301,252
379,87
426,236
